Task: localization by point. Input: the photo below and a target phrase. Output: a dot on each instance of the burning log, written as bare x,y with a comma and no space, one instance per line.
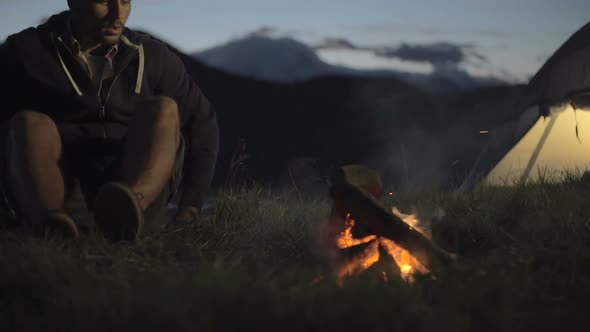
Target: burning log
358,258
372,219
386,267
361,176
371,257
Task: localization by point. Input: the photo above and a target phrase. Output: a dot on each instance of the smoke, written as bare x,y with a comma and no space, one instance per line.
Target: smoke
414,158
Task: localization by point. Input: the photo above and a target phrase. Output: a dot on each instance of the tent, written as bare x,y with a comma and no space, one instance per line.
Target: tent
550,137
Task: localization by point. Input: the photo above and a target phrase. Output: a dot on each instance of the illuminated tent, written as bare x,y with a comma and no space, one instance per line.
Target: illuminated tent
551,137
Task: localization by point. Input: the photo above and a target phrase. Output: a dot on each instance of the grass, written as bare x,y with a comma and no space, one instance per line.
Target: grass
249,263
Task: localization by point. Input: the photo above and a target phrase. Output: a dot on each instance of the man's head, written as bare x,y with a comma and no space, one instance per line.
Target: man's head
101,21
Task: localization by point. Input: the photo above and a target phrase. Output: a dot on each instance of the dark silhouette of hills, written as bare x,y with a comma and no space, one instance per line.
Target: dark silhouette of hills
339,119
334,120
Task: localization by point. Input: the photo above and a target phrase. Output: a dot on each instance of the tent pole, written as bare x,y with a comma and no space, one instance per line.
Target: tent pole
542,141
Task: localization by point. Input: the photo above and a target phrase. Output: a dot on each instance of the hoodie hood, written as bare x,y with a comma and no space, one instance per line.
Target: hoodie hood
131,45
31,47
47,64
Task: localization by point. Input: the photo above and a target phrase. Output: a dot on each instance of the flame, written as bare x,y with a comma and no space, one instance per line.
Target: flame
407,264
361,262
413,221
346,240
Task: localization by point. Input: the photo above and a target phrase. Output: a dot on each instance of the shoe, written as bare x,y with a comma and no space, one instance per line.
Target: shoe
117,212
59,222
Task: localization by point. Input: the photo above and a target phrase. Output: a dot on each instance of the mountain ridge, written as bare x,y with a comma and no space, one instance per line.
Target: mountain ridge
287,60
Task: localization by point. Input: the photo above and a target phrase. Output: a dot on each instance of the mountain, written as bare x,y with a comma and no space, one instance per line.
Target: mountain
286,60
410,136
332,120
279,60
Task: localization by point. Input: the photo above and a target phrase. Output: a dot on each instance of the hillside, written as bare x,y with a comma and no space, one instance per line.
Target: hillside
349,119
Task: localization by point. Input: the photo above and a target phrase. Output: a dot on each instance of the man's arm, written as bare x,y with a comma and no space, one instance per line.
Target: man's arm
199,125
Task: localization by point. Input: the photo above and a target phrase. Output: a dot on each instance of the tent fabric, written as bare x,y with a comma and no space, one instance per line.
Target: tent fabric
556,146
564,75
499,142
555,104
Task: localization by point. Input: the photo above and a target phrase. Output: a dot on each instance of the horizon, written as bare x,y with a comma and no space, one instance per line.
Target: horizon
502,39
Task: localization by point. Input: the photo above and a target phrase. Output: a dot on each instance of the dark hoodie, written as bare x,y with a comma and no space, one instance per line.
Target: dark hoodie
39,72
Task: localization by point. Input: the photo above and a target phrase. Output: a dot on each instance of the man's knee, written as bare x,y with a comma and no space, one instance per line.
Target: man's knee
161,112
28,131
162,109
32,125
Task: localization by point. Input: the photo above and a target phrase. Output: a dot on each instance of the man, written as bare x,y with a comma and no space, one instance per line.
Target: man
90,106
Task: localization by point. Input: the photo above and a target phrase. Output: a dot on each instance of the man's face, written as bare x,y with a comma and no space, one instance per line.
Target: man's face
102,20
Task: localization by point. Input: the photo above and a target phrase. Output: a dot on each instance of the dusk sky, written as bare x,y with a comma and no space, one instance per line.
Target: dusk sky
514,37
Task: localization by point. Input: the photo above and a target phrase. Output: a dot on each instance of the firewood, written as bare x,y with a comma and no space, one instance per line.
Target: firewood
356,259
363,177
373,219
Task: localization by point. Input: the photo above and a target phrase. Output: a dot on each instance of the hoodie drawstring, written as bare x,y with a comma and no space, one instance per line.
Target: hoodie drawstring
65,68
140,69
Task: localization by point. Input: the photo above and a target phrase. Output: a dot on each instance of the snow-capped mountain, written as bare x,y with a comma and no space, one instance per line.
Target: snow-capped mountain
281,60
287,60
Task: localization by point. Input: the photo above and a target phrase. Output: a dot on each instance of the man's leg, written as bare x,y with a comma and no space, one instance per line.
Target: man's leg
34,173
150,149
35,180
149,153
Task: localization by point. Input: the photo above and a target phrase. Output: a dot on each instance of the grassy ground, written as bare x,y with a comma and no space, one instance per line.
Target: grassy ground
248,265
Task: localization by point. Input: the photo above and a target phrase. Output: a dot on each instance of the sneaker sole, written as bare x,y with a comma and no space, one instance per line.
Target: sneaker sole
117,212
57,221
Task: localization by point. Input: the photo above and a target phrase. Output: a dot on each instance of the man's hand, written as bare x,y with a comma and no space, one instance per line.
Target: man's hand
187,214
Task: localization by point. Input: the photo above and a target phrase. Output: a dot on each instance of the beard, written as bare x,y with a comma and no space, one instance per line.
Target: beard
105,37
109,40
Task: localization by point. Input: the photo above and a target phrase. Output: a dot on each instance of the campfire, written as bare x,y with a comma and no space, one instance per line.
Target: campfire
362,235
407,264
